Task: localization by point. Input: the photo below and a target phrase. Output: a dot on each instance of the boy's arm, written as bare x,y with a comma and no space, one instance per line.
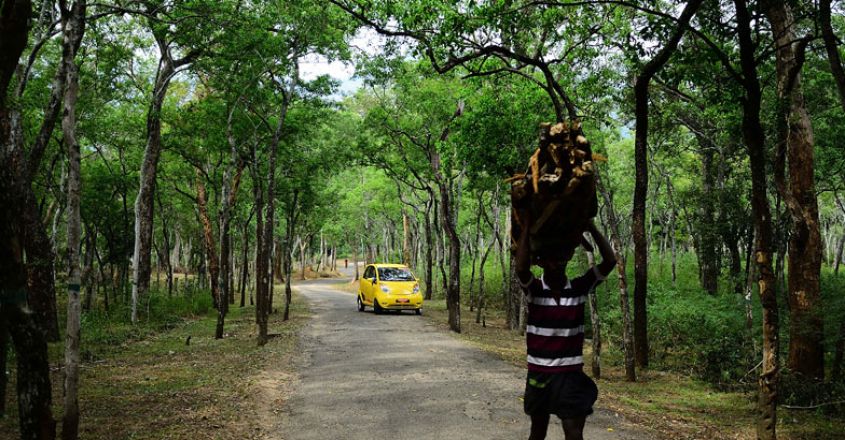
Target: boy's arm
522,259
608,257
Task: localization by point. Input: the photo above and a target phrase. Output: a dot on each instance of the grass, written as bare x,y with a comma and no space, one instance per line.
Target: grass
663,404
145,382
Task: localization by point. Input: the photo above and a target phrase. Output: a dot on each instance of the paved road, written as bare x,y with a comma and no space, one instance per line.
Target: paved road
366,376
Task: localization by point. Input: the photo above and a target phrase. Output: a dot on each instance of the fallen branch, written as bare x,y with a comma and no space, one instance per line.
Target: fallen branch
835,402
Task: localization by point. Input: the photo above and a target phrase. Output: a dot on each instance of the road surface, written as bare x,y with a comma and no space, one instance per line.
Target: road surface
396,376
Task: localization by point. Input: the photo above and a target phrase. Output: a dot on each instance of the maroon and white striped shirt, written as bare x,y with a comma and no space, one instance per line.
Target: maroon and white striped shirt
555,327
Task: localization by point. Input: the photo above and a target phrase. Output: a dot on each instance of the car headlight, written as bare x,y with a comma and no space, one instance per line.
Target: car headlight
416,288
385,289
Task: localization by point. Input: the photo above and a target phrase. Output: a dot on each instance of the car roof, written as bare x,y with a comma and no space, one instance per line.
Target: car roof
388,265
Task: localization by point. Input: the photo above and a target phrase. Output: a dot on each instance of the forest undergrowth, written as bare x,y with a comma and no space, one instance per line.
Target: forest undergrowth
167,377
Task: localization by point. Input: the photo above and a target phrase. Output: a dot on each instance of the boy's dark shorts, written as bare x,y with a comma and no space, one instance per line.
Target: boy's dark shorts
567,395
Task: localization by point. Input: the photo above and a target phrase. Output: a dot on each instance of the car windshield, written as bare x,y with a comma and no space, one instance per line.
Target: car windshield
395,274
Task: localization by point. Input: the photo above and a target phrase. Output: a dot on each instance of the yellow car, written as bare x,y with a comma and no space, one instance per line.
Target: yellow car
389,287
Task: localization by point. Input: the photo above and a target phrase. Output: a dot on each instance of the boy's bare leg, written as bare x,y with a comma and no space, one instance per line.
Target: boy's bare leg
539,426
573,429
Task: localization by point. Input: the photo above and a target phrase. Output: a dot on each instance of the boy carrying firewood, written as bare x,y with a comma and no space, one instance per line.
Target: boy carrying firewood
556,383
554,203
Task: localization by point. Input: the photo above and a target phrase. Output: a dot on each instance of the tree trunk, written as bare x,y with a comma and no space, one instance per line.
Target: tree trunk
210,243
754,137
289,230
596,325
144,201
4,353
260,257
832,48
262,308
429,248
616,240
641,96
806,326
406,240
244,263
73,28
708,254
33,369
836,370
453,291
228,194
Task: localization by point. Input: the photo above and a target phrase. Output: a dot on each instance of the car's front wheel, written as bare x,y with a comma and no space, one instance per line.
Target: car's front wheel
360,304
418,311
376,307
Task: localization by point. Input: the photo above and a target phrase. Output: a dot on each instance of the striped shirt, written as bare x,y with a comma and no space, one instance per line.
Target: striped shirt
555,327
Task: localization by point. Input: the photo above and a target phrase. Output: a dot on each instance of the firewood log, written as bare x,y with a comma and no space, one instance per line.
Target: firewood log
559,190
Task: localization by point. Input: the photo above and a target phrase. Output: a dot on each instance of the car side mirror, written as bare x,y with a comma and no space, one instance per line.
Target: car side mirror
374,281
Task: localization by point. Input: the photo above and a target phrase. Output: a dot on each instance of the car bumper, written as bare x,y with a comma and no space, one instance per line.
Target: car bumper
400,302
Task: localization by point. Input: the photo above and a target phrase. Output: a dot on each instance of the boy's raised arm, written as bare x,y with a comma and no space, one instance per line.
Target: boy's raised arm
608,257
522,259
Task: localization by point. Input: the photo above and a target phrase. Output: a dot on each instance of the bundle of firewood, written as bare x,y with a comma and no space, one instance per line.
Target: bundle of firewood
559,189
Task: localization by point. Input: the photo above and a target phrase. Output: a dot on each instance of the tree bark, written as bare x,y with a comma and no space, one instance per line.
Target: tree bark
229,193
627,326
448,218
836,370
806,326
289,230
596,325
832,49
244,263
708,255
262,309
16,316
261,260
641,96
149,168
429,248
73,23
754,138
4,353
210,242
406,240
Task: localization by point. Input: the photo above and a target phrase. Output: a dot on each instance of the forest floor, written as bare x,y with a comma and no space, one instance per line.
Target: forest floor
145,382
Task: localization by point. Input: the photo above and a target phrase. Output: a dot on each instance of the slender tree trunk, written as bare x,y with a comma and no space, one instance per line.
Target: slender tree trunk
832,48
73,28
228,192
261,260
406,240
596,325
806,351
836,370
709,257
245,264
149,169
210,245
754,137
627,326
453,292
262,309
641,96
289,230
429,248
4,353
